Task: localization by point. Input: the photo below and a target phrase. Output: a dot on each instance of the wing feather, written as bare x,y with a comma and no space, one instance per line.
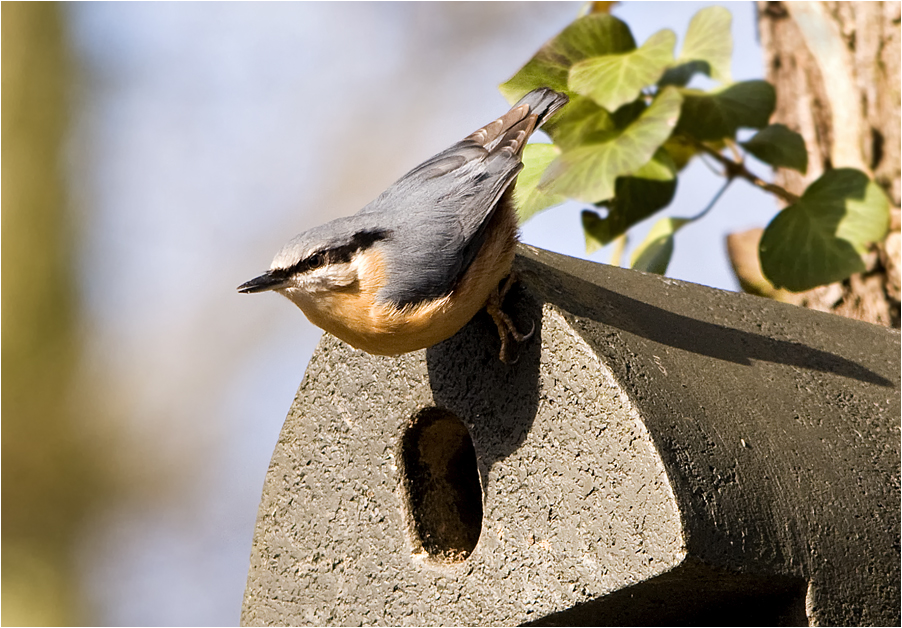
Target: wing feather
438,211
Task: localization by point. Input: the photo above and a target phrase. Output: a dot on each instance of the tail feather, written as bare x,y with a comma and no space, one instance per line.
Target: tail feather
512,130
543,102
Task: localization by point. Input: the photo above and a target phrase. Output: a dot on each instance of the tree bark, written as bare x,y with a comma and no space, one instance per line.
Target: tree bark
835,66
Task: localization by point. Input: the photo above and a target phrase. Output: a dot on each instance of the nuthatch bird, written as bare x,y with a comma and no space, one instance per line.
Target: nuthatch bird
410,269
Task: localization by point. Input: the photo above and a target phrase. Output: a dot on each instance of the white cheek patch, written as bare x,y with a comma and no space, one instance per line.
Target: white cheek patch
330,277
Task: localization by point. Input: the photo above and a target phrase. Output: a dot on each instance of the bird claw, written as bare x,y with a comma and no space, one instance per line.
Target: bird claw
506,327
524,337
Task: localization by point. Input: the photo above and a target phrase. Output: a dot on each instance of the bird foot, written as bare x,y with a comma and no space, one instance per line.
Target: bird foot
506,327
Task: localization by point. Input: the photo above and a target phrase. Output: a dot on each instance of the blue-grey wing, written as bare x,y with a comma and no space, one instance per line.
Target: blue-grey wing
439,210
438,216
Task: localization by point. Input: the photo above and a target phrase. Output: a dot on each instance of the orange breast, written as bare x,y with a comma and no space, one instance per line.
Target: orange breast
355,317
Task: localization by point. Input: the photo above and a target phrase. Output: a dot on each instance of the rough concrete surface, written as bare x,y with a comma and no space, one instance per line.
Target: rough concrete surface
661,453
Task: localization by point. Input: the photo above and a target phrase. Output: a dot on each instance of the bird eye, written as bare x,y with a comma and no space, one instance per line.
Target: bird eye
316,260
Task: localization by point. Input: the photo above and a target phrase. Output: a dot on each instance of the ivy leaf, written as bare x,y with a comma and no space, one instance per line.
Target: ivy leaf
682,73
778,146
588,172
593,35
580,120
820,239
636,198
653,255
595,231
718,114
528,198
614,80
680,150
710,41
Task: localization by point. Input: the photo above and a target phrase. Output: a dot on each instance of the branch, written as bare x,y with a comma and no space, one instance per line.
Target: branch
737,169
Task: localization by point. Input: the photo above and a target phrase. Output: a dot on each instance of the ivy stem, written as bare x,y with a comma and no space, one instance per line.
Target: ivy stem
735,169
710,166
737,156
619,248
714,200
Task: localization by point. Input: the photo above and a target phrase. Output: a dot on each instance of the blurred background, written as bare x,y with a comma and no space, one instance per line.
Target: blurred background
155,156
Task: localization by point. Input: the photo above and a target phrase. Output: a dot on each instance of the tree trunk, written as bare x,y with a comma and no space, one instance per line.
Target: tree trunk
851,119
53,474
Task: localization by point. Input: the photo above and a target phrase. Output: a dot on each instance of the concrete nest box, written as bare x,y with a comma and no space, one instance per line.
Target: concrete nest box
660,453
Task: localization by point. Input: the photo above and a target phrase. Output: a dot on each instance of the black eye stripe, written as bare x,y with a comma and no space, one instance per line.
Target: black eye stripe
336,255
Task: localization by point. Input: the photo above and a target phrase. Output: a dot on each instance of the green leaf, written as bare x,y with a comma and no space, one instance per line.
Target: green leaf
595,231
778,146
584,122
680,150
715,115
589,171
528,198
660,168
820,239
580,120
682,73
653,255
709,40
593,35
614,80
636,198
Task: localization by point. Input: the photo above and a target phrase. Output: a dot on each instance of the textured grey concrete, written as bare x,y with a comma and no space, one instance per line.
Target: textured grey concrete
661,453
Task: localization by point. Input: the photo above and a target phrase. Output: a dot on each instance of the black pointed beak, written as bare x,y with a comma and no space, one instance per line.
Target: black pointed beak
266,281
